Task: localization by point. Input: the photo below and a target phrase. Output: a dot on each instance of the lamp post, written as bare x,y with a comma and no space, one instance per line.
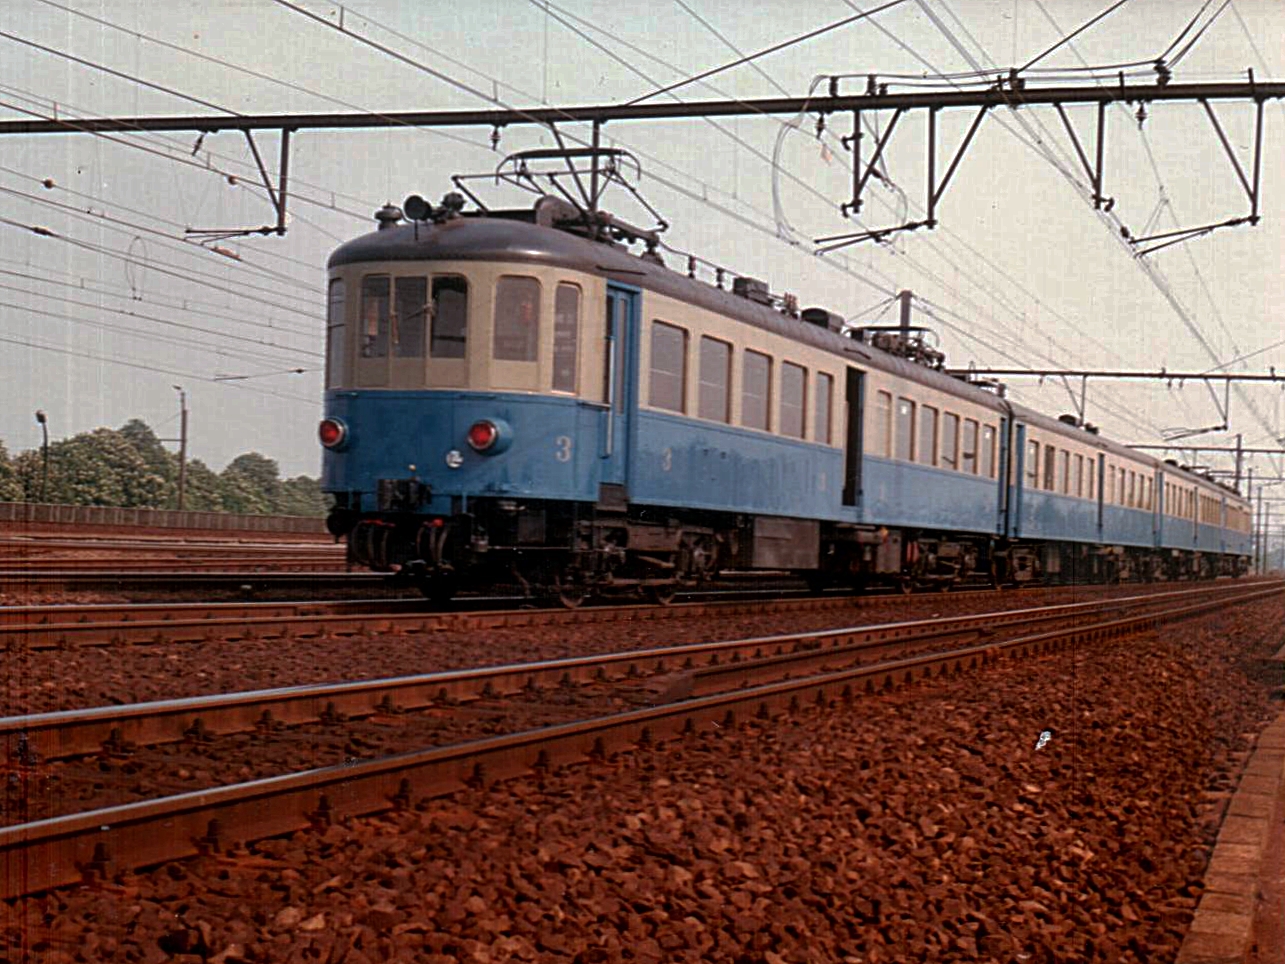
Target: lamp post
182,443
43,421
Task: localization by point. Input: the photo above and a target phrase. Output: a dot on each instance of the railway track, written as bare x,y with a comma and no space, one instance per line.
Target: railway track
701,668
64,850
162,581
105,624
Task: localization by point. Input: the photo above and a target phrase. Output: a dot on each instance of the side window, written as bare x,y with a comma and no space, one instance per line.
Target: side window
449,330
905,430
968,458
374,316
410,296
1110,485
927,435
988,450
1093,477
1050,468
1064,471
566,336
668,367
1079,476
821,422
794,381
715,401
881,426
949,441
336,334
517,318
1124,491
1032,465
756,389
1133,484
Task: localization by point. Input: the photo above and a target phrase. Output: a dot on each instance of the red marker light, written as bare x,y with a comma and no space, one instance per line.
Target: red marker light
331,432
482,435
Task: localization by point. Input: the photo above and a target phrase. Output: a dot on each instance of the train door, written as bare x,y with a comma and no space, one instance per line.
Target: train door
620,392
1002,493
1019,481
855,399
1102,478
1162,504
1157,483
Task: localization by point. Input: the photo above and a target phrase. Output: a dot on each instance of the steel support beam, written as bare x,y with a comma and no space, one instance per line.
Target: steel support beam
602,113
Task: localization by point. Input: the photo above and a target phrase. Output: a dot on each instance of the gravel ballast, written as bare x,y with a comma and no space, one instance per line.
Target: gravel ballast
929,824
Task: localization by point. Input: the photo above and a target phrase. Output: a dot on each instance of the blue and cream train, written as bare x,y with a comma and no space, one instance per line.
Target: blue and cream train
513,397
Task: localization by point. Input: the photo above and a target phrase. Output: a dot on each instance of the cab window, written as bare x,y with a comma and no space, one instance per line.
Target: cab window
449,331
517,319
566,337
374,316
335,334
411,298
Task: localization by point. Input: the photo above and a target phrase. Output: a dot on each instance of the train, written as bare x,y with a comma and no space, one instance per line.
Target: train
533,397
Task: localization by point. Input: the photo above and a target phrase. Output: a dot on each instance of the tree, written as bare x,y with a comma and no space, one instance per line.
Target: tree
203,489
250,484
93,468
302,495
10,487
149,448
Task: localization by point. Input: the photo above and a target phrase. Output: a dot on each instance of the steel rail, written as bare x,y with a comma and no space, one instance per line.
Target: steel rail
67,733
61,851
59,635
235,625
302,579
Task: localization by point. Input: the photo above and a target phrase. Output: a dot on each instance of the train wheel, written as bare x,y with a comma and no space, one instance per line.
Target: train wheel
906,584
662,594
571,592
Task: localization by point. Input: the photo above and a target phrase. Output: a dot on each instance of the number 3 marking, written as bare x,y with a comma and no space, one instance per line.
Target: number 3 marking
563,451
667,460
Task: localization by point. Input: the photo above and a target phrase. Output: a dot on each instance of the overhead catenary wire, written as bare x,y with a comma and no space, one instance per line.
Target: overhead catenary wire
1151,270
186,305
167,322
150,336
1075,33
1157,276
764,52
142,366
254,294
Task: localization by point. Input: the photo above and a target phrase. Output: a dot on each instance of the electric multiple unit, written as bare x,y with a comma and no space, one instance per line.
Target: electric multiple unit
514,397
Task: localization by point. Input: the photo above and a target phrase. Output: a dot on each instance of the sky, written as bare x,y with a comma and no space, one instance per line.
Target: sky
99,322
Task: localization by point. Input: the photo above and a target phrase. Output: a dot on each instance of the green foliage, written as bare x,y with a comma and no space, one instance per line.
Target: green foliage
302,495
10,485
130,467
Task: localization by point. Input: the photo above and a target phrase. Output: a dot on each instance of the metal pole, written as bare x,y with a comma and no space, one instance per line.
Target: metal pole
1267,538
43,420
1258,535
182,444
905,297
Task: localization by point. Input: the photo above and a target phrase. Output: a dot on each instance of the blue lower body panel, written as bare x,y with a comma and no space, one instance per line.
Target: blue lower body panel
703,465
904,494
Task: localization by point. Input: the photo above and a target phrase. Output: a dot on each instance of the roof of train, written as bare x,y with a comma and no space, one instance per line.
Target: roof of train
513,237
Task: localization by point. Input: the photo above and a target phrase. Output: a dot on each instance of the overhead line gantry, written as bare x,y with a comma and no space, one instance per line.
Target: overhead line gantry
1008,91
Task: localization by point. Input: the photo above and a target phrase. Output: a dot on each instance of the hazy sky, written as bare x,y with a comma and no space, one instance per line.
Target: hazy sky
1020,272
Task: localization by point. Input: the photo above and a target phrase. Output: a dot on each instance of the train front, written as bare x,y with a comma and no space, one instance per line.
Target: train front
453,410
